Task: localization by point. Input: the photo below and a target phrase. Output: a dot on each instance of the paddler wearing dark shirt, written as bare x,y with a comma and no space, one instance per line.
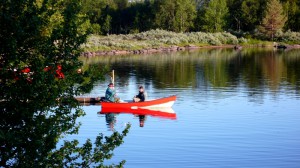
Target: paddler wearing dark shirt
141,96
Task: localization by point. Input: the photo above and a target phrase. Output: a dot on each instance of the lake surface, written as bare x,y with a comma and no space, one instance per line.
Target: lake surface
234,109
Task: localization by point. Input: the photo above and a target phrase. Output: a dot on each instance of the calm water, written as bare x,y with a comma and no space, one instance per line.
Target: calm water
234,109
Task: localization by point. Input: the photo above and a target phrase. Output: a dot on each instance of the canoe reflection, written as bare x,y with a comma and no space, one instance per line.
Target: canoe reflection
110,114
111,120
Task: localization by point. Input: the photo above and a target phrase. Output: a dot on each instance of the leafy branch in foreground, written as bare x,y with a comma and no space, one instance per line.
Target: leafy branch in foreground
69,155
40,46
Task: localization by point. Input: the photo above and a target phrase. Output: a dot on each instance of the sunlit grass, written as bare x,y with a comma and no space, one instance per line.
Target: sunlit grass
257,42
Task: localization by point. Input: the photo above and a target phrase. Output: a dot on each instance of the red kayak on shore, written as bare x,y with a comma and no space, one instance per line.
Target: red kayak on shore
166,102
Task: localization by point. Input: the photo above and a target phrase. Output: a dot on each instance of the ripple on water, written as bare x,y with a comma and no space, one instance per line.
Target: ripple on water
237,110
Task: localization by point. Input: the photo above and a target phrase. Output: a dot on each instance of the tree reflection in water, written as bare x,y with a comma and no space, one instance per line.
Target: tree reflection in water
256,68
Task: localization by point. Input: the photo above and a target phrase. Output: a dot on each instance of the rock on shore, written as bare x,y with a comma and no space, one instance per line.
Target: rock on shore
281,46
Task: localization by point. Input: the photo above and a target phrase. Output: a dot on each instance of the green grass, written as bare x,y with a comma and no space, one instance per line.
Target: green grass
257,42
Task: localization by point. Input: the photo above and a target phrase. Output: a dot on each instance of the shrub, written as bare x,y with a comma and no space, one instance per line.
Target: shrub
156,38
288,37
96,28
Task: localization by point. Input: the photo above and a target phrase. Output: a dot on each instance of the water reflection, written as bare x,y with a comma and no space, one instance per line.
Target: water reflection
110,119
142,119
234,108
140,114
255,69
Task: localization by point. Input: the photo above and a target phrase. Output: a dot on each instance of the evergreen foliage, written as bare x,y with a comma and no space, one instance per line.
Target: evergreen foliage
274,19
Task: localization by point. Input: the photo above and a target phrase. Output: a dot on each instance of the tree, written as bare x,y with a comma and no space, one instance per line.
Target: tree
274,18
107,24
120,17
199,21
250,14
143,15
175,15
93,9
185,15
291,9
235,13
40,45
215,16
165,14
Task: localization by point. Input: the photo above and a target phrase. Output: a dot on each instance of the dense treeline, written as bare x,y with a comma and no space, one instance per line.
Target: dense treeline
132,16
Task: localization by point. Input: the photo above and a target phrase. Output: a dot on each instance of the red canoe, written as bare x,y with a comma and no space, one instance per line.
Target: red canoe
150,104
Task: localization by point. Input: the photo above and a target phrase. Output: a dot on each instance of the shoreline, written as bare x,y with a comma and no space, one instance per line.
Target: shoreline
151,50
179,48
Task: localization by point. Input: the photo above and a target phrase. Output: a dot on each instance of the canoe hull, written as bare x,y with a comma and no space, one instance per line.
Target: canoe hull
165,102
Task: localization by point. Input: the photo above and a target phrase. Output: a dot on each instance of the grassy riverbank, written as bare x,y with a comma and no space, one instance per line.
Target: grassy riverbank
161,38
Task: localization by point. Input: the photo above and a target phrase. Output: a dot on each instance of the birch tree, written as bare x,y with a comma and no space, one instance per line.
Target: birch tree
175,15
214,17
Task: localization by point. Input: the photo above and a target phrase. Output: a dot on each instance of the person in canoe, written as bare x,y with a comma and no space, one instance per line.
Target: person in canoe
141,96
110,94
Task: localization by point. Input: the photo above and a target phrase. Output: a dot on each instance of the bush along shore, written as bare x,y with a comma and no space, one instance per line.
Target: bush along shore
165,41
